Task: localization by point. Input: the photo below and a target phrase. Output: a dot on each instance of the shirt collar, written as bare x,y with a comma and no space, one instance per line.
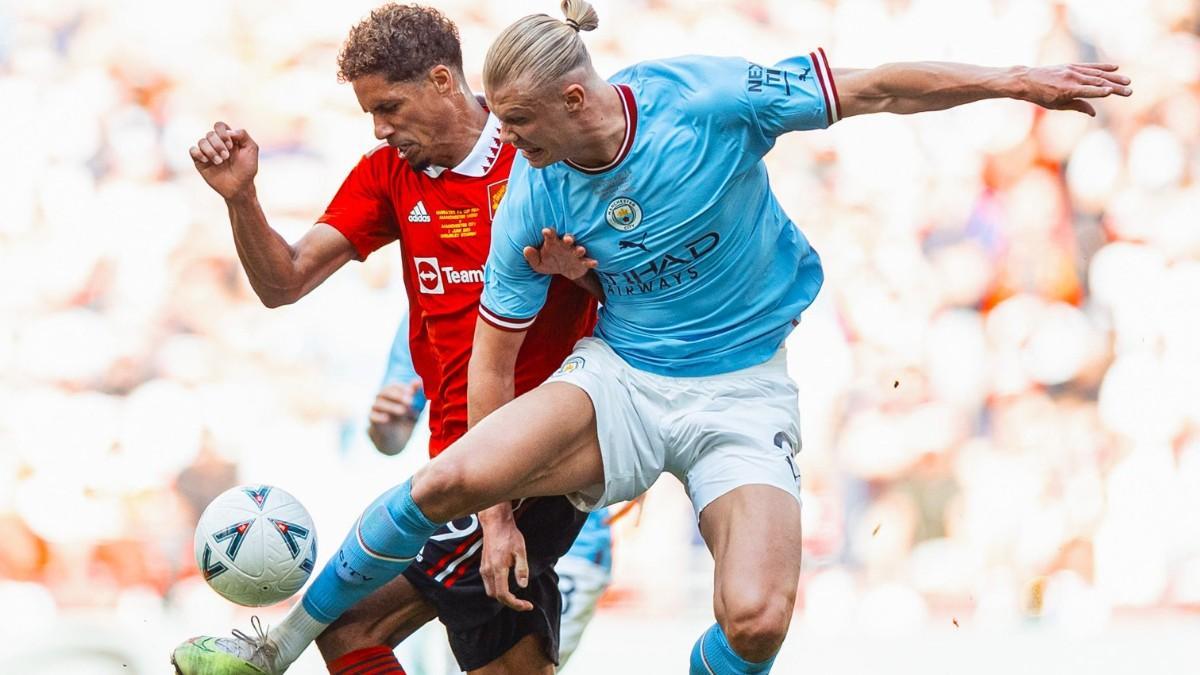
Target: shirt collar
479,161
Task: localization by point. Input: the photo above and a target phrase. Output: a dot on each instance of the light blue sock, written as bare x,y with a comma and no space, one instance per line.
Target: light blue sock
386,538
712,655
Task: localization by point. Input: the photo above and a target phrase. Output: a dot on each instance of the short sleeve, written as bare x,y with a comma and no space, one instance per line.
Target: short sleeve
795,94
362,208
513,293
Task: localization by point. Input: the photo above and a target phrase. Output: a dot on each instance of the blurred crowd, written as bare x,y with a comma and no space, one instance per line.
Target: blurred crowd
1000,381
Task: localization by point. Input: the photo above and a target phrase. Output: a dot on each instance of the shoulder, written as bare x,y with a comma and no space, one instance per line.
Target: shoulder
696,81
692,70
524,181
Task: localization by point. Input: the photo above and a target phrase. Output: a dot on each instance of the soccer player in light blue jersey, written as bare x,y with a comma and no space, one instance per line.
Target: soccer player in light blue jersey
659,173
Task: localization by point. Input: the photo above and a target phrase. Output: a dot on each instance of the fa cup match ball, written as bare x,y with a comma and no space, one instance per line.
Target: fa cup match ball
256,545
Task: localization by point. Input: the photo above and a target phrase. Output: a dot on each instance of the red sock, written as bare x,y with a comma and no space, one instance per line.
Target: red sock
379,660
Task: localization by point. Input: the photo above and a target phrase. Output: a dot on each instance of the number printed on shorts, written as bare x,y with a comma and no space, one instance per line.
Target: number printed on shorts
784,441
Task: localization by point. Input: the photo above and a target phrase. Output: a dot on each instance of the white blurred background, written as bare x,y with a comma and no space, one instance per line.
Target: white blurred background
1000,381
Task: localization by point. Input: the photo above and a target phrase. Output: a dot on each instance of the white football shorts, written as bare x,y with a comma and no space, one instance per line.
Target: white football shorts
713,433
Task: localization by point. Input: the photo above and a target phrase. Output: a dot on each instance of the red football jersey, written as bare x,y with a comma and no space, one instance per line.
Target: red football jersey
443,219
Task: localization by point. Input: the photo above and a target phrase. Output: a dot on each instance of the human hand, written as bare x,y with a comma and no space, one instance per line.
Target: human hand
559,255
393,417
503,551
1066,87
227,159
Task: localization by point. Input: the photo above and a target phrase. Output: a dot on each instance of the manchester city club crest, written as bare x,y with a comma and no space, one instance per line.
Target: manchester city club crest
623,214
571,365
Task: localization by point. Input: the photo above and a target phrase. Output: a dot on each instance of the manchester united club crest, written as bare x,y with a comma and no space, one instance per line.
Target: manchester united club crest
496,192
623,214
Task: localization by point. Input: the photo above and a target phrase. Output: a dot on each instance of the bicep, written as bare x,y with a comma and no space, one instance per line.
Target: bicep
319,253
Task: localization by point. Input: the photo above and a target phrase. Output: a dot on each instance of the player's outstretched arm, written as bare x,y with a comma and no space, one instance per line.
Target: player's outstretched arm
491,383
906,88
279,273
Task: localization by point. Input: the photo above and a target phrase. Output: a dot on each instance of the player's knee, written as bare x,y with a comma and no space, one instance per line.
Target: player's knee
756,627
446,489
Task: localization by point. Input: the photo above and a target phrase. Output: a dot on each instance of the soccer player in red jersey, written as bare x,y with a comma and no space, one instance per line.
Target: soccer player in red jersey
434,184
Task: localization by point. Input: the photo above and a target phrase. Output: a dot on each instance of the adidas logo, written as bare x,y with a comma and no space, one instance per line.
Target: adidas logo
418,214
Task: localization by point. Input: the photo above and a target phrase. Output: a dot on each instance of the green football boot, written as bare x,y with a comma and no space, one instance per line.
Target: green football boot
237,655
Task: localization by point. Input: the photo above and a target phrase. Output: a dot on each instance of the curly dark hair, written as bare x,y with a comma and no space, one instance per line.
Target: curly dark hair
401,42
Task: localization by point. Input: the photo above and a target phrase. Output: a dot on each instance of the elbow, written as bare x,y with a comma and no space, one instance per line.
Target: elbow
274,299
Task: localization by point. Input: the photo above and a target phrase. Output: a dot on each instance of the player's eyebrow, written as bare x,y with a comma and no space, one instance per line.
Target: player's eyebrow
386,103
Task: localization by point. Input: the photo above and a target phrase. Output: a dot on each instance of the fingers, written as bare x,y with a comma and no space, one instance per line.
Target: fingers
402,394
220,142
495,583
521,568
1115,78
1080,105
1103,75
390,407
1087,91
1097,66
505,596
532,255
216,145
379,418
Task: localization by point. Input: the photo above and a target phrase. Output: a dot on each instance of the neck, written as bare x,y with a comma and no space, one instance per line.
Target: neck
602,128
469,120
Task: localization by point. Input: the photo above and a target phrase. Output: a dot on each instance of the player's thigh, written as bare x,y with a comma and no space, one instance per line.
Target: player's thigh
386,617
542,443
754,534
527,657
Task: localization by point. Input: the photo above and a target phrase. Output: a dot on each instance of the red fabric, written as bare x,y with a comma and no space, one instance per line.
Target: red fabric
378,660
444,228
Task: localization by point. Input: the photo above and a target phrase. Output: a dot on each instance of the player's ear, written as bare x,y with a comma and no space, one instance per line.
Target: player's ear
574,97
442,79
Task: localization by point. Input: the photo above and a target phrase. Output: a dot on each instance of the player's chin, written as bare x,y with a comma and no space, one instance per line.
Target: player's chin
537,157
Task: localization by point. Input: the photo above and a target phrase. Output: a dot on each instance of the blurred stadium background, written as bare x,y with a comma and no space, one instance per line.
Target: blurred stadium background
1000,381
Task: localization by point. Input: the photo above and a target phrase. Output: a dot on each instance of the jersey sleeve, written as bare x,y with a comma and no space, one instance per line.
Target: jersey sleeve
400,369
795,94
513,293
362,208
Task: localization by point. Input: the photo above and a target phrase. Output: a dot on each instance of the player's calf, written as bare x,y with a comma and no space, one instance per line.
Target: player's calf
385,618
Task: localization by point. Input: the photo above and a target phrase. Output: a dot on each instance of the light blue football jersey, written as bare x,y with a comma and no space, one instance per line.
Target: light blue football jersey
703,271
400,368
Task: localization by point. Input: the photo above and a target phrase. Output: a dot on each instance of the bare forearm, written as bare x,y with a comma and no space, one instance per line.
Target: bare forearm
488,390
907,88
267,257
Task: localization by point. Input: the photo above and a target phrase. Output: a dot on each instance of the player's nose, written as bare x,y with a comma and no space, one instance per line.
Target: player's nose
506,134
383,129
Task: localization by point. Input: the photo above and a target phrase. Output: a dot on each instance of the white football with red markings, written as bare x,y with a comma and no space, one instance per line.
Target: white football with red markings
255,545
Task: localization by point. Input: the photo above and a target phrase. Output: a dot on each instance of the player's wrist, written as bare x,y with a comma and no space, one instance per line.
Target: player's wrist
244,196
1016,83
500,515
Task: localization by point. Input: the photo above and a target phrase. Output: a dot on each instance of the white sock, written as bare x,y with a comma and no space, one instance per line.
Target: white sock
294,634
